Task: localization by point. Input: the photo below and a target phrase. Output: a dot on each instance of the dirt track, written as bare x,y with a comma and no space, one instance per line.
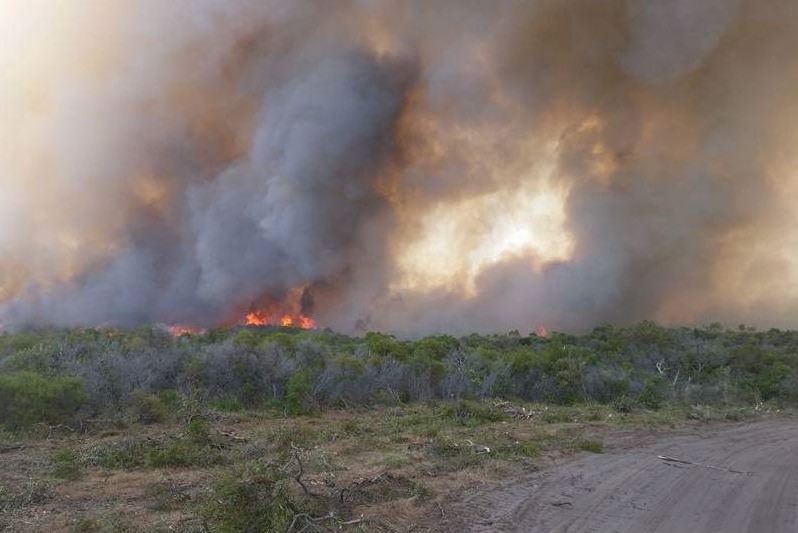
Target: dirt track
632,490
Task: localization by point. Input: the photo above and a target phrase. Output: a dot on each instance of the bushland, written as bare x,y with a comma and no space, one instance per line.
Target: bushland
72,376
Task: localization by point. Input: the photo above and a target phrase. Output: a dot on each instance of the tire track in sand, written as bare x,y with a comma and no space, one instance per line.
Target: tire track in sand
633,491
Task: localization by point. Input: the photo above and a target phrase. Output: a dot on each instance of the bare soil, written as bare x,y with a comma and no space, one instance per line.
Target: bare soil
738,478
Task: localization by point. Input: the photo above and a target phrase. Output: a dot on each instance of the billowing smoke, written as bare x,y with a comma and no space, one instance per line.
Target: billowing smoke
410,166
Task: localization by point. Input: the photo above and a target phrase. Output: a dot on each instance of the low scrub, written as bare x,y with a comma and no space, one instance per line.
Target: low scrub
66,464
253,498
31,492
470,413
592,446
27,398
47,376
169,452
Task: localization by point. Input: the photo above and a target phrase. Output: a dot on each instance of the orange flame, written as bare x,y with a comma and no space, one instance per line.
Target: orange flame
179,331
305,322
257,318
263,318
285,314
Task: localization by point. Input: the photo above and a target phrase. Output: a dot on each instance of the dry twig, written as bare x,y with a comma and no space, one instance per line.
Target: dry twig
669,459
298,477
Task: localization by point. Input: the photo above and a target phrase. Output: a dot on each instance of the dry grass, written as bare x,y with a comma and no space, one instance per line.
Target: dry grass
368,469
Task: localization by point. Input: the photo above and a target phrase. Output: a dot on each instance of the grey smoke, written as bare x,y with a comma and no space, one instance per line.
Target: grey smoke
277,127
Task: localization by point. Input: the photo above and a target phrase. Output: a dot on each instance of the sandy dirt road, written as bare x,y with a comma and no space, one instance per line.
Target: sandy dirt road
745,479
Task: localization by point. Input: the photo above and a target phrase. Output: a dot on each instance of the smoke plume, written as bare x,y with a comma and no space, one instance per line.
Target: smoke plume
410,166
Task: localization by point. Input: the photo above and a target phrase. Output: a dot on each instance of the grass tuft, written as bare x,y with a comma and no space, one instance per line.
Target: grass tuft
592,446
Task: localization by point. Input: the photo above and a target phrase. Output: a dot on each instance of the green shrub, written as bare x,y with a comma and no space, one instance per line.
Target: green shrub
623,404
518,450
27,398
592,446
31,492
385,346
654,394
559,415
243,368
116,521
252,500
282,437
195,373
149,408
299,393
87,524
230,405
767,383
194,450
66,464
453,456
421,492
469,413
171,398
199,432
129,454
174,454
527,449
124,454
165,496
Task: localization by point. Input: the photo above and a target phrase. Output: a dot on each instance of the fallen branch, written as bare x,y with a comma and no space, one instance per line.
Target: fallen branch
296,453
669,459
53,429
512,410
562,504
351,522
233,436
314,521
11,447
310,521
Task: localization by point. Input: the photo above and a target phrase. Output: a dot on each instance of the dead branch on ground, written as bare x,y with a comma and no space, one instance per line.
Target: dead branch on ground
669,459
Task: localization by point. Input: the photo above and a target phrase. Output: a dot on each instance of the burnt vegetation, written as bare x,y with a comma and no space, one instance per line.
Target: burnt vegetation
74,376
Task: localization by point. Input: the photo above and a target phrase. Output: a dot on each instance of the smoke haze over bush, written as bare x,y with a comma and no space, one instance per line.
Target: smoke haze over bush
409,166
